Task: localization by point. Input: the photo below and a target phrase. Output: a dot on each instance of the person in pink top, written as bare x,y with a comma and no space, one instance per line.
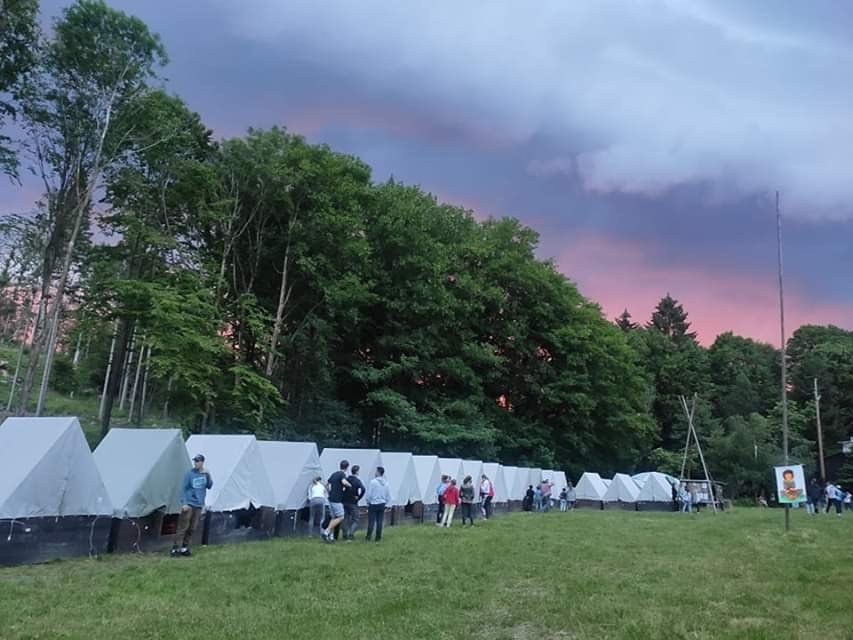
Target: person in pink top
451,500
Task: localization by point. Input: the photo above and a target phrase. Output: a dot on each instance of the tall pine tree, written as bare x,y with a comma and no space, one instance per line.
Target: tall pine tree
670,318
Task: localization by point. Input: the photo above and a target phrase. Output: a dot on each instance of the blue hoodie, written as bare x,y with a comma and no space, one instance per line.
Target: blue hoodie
194,488
377,491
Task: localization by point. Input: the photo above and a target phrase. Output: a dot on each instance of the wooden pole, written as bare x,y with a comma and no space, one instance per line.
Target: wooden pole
689,433
784,351
819,433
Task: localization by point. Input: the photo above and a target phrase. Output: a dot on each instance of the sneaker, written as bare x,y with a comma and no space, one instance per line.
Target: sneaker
185,552
174,552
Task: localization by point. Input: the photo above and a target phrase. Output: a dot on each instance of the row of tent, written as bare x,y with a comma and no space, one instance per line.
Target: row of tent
649,490
59,499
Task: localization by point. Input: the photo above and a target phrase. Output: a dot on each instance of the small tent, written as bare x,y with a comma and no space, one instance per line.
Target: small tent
640,478
402,483
535,477
53,503
452,467
590,490
560,482
291,467
622,492
497,474
366,459
521,482
656,493
143,471
240,505
428,472
513,498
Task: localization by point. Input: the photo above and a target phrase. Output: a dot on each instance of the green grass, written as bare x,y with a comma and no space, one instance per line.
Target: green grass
580,575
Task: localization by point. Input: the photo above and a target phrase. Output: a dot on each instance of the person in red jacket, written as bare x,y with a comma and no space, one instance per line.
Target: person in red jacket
451,500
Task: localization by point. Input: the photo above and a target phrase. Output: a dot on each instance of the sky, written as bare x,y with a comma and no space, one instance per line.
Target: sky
644,140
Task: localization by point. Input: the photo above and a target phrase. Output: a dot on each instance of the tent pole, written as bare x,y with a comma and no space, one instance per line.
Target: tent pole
686,444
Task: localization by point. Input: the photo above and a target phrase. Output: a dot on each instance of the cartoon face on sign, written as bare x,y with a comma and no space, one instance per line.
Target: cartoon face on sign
789,486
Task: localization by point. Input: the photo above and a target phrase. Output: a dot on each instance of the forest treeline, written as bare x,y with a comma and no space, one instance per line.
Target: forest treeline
268,285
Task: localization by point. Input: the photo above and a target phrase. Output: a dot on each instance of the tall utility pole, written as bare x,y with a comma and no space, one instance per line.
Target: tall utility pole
784,352
819,433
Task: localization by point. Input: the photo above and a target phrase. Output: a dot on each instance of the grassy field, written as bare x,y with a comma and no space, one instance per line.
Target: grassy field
578,575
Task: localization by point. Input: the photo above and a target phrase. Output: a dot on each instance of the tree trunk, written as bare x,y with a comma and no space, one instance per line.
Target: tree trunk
283,296
144,386
77,349
114,379
168,395
133,393
109,370
36,348
125,379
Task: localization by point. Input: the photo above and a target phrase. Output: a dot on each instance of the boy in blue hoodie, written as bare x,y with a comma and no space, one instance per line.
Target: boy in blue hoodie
378,496
193,493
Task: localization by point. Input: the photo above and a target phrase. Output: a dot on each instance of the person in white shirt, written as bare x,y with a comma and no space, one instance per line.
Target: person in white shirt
317,503
829,491
487,492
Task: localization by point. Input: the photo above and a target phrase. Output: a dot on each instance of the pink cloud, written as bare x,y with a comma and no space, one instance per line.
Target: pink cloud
617,274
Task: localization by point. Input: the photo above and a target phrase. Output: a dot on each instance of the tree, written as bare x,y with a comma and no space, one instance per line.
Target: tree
78,111
744,376
670,319
18,47
624,322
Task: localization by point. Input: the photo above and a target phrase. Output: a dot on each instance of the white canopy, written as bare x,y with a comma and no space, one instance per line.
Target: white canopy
291,467
47,470
656,488
401,477
622,489
534,477
428,472
590,487
510,476
452,467
366,459
496,474
640,478
143,470
558,478
473,468
239,475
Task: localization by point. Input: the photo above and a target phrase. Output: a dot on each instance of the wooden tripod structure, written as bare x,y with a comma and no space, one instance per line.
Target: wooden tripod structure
691,432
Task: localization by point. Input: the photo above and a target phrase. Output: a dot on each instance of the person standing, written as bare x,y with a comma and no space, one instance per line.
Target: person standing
193,494
487,494
685,500
466,494
529,498
674,497
439,495
451,501
564,500
839,500
571,496
378,496
337,485
829,492
848,501
352,497
317,499
813,497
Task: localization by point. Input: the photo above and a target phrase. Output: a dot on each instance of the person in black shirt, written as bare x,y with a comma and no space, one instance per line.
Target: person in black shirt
338,484
351,498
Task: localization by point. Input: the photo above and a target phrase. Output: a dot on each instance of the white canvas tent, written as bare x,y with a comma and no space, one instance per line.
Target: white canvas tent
560,483
522,481
641,478
535,477
240,478
47,470
428,472
496,474
656,488
366,459
452,467
291,466
401,477
622,489
590,487
143,470
607,482
510,476
473,468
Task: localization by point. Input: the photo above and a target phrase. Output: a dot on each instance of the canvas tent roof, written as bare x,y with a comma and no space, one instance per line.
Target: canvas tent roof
143,470
237,468
656,488
401,476
510,476
607,481
560,482
590,487
534,477
640,478
47,469
452,467
428,472
473,468
366,459
496,474
522,481
291,466
622,489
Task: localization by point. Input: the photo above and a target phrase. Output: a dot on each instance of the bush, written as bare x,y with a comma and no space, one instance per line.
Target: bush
63,376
